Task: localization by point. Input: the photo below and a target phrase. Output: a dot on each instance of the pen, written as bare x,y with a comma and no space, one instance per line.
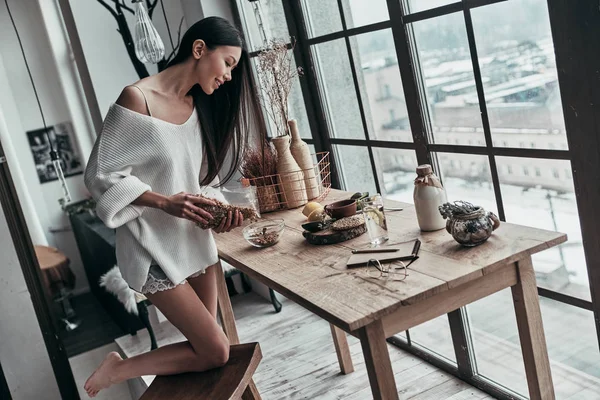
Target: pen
416,247
382,250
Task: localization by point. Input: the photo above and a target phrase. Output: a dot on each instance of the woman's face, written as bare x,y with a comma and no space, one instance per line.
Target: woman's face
214,66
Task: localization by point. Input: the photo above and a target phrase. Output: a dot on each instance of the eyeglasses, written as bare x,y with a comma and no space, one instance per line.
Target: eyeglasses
396,271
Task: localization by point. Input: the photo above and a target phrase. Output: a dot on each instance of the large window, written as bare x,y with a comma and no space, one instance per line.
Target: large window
471,87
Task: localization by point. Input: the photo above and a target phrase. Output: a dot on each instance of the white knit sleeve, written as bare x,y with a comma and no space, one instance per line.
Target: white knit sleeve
108,175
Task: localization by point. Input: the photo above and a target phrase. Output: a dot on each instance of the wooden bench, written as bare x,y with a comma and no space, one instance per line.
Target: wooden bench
228,382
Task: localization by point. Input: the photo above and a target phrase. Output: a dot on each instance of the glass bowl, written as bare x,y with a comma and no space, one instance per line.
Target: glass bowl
264,233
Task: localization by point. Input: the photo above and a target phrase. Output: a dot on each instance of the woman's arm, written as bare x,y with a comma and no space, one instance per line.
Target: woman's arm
151,199
108,172
182,205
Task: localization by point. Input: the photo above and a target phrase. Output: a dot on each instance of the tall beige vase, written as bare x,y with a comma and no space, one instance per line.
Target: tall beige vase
291,177
301,153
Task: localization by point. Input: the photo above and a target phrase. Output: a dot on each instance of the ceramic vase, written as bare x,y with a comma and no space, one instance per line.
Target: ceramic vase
291,178
301,153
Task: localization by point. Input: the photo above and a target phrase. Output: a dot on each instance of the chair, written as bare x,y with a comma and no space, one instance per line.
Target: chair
227,382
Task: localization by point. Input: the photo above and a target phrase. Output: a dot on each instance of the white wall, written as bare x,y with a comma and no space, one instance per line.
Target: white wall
23,354
217,8
22,114
7,106
107,59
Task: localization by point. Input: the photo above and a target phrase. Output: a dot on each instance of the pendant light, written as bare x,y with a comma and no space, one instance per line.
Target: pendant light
149,47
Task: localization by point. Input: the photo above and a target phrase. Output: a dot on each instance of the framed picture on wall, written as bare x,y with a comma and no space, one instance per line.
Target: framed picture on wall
63,142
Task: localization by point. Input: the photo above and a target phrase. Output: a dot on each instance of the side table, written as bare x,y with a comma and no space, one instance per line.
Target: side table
60,281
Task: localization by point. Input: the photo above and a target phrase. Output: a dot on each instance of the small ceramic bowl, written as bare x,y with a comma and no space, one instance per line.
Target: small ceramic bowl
264,233
341,209
315,226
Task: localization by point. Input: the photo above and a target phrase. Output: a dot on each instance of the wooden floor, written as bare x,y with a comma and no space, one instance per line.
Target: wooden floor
83,365
299,360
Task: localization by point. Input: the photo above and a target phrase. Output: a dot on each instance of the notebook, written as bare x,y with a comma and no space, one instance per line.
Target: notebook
404,253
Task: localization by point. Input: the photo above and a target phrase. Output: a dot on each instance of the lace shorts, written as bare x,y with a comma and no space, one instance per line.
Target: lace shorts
158,281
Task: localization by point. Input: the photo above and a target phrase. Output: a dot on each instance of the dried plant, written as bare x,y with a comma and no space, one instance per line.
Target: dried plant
457,208
276,74
258,163
221,210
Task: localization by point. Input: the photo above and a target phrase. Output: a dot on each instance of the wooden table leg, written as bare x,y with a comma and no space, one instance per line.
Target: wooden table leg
531,333
225,312
377,360
342,349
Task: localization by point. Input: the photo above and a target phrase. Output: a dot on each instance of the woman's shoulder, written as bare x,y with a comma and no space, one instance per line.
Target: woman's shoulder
132,97
130,108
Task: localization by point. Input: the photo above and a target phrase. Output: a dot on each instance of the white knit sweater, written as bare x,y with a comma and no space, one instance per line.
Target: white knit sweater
135,153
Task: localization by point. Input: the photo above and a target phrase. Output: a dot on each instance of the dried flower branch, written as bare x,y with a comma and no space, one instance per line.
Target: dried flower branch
276,75
449,210
258,163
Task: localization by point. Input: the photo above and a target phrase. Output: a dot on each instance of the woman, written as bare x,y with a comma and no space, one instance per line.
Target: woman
163,142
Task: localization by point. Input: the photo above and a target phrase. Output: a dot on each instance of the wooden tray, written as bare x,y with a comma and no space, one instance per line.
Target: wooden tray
329,236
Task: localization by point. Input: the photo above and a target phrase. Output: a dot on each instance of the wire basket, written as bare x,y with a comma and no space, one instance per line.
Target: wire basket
272,197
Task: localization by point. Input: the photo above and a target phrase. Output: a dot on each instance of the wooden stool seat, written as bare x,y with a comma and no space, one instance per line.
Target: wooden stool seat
228,382
55,269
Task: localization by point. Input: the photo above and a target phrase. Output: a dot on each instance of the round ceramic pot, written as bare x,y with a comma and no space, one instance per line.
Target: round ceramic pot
474,228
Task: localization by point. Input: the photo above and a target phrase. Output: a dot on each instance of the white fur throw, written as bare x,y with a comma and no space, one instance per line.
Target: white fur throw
114,283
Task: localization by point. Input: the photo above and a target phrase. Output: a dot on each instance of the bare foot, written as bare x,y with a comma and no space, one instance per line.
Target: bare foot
102,377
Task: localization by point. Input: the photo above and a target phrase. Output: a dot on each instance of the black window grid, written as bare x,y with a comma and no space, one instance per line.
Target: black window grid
400,23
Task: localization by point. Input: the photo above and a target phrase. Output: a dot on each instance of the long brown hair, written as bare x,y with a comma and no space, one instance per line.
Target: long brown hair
224,116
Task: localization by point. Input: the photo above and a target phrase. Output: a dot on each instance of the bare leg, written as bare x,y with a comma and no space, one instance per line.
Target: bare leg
205,286
207,346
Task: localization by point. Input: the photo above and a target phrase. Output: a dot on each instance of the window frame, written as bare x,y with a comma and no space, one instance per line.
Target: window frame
566,21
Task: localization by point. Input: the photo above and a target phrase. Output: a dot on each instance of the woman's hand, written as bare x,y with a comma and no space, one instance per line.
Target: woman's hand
233,220
184,205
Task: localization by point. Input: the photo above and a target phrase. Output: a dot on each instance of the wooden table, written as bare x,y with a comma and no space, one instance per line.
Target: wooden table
446,277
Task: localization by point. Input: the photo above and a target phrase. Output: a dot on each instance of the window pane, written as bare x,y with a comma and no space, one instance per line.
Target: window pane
273,19
337,88
421,5
381,86
364,12
467,177
322,17
447,71
518,67
297,109
435,335
574,358
354,168
396,170
271,130
496,341
539,193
